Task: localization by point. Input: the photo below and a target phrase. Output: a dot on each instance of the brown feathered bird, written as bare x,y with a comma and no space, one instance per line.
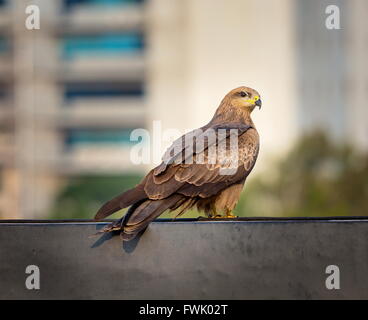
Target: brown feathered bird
203,169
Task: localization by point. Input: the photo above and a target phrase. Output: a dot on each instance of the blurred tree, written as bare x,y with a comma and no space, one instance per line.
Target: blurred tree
317,178
82,196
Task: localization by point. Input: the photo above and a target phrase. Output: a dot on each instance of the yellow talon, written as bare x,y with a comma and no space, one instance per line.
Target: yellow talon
215,215
229,215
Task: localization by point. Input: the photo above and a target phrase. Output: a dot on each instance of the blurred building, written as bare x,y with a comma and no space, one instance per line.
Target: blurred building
332,71
71,92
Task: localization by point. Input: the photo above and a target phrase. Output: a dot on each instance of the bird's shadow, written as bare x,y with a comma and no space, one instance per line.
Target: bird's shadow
127,246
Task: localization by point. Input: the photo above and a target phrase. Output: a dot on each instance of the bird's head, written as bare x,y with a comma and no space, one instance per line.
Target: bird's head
245,98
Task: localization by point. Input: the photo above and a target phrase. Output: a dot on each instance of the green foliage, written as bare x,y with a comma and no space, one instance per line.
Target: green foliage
317,178
82,196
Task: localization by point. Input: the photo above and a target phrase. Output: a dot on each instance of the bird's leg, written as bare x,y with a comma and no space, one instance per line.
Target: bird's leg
214,214
230,215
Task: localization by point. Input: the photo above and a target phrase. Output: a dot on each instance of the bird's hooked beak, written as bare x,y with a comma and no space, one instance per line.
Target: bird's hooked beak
258,103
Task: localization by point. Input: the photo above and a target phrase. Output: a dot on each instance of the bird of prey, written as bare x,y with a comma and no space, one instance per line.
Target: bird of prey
203,169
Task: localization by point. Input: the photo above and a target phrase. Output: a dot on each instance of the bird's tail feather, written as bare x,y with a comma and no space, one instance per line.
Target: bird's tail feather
144,214
140,215
118,225
121,201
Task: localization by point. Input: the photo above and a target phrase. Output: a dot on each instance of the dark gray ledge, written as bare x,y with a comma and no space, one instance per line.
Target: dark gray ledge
254,258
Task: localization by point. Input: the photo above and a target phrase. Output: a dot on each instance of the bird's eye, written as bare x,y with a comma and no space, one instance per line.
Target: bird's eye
243,94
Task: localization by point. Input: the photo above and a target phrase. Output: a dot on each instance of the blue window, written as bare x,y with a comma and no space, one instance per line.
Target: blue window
4,90
82,137
3,45
102,89
102,44
70,3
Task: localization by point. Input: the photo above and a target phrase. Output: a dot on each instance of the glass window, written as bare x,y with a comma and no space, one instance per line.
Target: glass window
82,137
70,3
102,90
3,44
101,45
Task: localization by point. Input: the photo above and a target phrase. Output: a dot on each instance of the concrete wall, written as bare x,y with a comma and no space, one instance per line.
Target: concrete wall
247,259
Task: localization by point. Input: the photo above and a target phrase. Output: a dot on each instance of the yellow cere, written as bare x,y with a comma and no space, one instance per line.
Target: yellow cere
253,100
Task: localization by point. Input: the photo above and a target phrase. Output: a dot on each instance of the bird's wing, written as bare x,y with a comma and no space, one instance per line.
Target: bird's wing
193,169
202,174
197,141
